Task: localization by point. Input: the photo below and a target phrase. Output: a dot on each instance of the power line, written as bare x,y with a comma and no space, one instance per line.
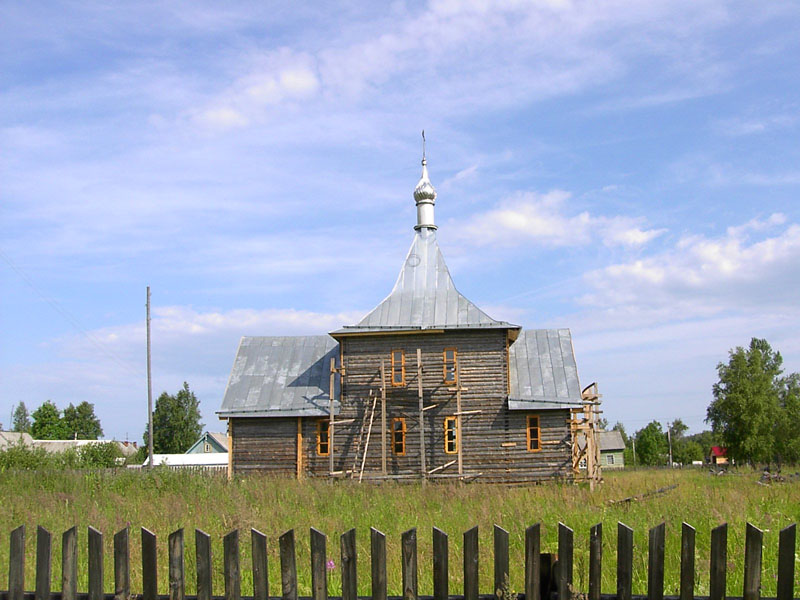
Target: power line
69,318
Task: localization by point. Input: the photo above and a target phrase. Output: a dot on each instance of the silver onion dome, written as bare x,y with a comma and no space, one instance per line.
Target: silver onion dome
424,189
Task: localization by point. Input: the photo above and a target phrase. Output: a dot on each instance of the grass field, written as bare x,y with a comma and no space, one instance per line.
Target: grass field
164,501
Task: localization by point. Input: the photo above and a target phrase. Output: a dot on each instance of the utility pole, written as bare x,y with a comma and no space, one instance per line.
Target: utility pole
669,441
633,441
149,391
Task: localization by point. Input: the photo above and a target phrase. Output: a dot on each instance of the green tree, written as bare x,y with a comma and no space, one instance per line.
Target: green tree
602,423
746,405
22,419
47,423
787,435
176,422
81,423
651,445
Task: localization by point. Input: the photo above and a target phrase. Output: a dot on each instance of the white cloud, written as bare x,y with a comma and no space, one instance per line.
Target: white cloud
545,219
702,276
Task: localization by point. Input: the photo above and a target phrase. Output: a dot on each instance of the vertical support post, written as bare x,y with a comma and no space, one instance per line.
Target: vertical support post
258,546
69,564
719,558
349,565
501,582
378,564
565,542
786,547
624,561
330,416
383,416
122,565
233,582
533,568
440,565
149,566
471,564
319,575
288,566
687,562
754,539
202,547
655,563
409,552
422,461
95,564
229,431
595,561
16,564
459,437
43,563
299,448
177,586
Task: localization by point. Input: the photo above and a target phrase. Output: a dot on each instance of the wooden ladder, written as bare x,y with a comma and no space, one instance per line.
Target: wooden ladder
368,427
361,433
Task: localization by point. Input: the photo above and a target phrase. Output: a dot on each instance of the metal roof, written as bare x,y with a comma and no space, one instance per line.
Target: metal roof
542,369
424,297
281,377
610,440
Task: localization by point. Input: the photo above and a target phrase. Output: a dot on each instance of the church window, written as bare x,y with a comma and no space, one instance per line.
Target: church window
323,438
451,435
399,436
534,434
398,367
450,374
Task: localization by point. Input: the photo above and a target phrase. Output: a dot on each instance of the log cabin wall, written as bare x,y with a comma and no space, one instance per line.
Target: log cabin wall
264,445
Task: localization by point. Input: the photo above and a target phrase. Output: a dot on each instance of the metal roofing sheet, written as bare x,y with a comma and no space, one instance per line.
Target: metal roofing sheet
281,377
543,372
425,297
610,440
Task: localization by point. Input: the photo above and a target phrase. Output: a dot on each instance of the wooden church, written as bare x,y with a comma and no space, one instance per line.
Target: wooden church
426,385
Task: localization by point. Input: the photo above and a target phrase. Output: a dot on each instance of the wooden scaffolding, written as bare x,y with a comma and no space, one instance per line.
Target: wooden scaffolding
583,429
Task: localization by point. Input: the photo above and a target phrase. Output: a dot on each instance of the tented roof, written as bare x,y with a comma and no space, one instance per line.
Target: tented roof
424,297
281,377
542,371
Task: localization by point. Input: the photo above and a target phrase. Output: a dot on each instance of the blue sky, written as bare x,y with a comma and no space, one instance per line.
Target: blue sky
628,170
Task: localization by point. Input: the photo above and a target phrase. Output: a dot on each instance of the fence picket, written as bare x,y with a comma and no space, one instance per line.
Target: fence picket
349,565
230,561
532,562
122,565
288,566
319,576
409,554
655,563
471,564
95,564
719,557
149,566
786,547
687,562
565,543
202,553
753,541
16,564
258,547
624,561
595,560
69,564
378,562
43,563
177,585
501,582
440,565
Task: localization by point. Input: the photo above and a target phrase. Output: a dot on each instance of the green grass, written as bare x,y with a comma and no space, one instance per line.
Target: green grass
164,501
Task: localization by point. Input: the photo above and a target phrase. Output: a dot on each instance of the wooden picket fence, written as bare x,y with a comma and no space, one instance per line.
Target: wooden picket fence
547,576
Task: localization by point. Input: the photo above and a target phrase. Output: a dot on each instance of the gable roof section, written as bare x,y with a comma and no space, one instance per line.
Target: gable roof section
610,441
542,371
217,440
281,377
424,297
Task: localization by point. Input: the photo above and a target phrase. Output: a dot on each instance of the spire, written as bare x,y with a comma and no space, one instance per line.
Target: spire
424,195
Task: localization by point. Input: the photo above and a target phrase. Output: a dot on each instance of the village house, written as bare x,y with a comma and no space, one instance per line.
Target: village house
426,385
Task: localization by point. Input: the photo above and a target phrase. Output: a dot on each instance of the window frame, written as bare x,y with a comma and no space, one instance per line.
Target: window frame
454,380
326,424
402,365
456,439
402,432
610,459
529,437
